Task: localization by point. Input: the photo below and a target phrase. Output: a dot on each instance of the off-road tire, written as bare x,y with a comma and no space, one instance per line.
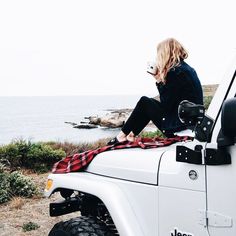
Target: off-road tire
81,226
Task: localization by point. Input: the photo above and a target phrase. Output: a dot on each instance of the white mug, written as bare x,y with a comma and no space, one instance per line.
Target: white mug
152,67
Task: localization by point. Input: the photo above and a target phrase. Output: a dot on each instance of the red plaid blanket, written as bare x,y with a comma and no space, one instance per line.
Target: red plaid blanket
79,161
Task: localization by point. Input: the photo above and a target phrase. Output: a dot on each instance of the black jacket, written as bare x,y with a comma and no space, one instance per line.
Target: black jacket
182,83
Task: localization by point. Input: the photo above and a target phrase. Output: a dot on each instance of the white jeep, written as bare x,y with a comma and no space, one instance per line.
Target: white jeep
185,189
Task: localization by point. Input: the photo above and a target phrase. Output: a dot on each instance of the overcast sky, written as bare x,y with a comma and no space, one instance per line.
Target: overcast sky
55,47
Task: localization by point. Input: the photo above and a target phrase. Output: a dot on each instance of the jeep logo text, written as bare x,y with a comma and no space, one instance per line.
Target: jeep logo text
179,233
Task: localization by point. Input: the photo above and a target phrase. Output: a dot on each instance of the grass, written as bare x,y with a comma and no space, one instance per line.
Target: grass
17,203
72,148
152,134
30,226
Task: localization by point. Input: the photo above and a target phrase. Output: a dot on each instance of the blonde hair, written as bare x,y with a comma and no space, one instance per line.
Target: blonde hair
169,54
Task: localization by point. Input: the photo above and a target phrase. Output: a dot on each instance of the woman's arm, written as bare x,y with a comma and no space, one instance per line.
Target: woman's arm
170,92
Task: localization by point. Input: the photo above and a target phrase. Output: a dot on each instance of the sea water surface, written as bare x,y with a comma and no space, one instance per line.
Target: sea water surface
43,118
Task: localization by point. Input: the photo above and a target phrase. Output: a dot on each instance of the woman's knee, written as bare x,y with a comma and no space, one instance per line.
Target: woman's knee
144,100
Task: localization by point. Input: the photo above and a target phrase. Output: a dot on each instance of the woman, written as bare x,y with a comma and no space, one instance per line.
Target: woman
176,81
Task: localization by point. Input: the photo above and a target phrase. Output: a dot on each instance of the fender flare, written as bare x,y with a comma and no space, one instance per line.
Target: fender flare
109,193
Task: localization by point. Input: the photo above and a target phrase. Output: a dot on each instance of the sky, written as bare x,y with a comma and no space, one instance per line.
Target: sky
101,47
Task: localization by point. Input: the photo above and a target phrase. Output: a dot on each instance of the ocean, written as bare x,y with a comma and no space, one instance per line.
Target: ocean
43,118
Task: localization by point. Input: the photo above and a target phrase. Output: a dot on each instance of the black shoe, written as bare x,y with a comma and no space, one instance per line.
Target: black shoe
113,141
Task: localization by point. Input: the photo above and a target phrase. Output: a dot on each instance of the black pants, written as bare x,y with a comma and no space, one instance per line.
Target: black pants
147,109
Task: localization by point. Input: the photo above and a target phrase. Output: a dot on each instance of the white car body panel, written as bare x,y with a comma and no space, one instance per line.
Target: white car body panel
179,209
134,164
221,188
133,206
174,174
180,197
143,199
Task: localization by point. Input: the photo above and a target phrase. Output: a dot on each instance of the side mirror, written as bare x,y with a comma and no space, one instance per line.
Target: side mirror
194,116
227,134
191,113
228,118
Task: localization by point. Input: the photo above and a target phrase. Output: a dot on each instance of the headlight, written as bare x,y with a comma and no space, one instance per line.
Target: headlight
48,184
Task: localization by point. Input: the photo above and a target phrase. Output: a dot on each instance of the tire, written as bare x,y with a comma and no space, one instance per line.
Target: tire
81,226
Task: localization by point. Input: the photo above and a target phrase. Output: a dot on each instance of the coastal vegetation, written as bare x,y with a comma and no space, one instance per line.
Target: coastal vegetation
21,156
15,184
30,226
38,157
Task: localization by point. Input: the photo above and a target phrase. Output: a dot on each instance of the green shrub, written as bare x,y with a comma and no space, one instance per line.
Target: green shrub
30,226
4,188
207,100
41,157
21,185
2,168
14,153
15,185
9,155
36,156
152,134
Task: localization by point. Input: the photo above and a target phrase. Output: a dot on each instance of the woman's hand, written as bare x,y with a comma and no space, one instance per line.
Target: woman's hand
157,78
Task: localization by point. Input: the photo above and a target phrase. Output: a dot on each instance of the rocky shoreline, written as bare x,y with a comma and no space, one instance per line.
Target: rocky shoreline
114,119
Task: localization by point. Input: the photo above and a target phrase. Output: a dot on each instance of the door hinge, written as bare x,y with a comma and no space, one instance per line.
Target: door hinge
202,220
200,156
214,219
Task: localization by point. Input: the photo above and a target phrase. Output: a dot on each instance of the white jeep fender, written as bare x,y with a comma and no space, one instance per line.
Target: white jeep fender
109,193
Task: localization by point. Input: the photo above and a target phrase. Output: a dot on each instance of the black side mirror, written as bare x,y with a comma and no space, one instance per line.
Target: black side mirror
228,118
227,134
191,113
194,115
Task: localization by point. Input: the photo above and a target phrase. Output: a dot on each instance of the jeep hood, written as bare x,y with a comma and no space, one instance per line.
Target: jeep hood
134,164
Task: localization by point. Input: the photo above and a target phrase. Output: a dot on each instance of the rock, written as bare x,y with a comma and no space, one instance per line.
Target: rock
94,120
70,123
85,126
113,120
124,110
